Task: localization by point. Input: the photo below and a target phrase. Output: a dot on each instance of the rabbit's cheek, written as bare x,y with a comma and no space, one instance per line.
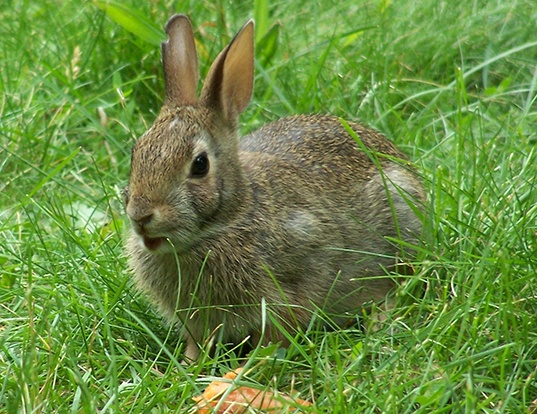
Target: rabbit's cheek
205,199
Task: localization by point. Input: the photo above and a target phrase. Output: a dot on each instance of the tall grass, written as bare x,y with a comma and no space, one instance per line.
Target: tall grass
453,84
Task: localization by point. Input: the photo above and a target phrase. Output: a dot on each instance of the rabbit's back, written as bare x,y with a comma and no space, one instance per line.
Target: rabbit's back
328,211
318,139
312,160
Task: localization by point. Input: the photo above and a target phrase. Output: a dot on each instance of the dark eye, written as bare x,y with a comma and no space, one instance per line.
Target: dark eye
200,166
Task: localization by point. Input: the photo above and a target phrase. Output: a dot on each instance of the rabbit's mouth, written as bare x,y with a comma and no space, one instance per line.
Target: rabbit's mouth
152,244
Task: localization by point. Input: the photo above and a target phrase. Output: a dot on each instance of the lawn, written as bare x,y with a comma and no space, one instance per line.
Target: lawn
453,84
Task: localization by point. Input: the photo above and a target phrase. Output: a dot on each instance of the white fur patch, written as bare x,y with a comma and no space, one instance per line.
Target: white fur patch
301,223
173,124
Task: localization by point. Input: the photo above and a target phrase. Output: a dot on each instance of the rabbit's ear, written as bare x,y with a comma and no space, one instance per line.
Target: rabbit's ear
230,81
180,62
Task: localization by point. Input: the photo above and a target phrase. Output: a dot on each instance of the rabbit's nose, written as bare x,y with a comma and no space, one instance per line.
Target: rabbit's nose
140,211
145,220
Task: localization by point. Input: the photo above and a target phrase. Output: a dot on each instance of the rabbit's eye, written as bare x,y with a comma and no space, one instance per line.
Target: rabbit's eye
200,166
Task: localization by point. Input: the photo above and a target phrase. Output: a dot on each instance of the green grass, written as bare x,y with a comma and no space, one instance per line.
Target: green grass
453,84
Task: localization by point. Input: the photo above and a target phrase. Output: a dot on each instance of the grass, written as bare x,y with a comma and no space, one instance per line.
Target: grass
453,84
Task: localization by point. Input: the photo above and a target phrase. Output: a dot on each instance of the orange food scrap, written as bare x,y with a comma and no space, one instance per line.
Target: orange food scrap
241,399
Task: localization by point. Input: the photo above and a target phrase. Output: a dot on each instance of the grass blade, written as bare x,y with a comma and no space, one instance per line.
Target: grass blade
132,21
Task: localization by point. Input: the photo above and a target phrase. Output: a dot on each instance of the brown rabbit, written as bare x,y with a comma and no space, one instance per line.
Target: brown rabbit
300,215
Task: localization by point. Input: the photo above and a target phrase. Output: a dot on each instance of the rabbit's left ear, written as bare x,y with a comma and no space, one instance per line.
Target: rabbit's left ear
180,62
229,84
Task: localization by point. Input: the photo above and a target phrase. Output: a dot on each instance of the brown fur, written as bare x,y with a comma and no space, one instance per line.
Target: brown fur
295,215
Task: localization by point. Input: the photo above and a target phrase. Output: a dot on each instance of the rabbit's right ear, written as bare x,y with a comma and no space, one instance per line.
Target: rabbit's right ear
180,62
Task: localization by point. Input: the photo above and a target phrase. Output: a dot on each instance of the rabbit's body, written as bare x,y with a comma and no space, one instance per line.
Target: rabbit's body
296,215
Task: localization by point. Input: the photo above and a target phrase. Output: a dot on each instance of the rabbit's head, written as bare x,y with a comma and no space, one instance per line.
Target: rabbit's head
185,170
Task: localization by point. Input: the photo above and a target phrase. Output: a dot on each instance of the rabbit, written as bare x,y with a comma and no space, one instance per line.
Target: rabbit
234,238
